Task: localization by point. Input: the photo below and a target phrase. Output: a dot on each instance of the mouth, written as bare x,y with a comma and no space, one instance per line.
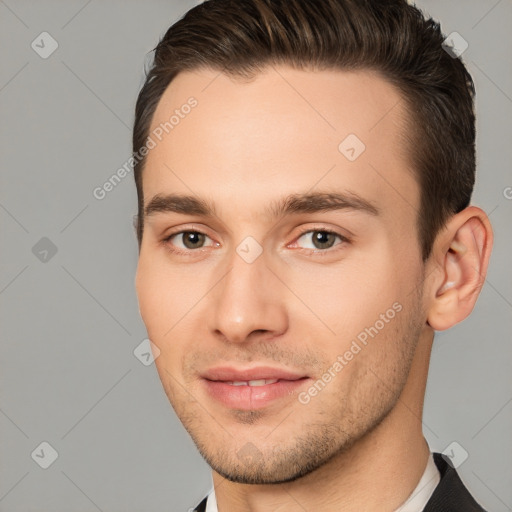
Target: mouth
251,389
256,383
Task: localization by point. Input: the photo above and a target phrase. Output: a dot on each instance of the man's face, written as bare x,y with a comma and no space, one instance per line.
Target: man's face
327,301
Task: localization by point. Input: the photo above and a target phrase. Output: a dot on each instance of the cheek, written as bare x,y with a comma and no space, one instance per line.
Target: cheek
158,293
156,307
348,297
168,296
149,292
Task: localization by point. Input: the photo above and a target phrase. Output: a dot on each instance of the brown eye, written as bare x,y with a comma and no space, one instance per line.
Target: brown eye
192,239
321,239
186,241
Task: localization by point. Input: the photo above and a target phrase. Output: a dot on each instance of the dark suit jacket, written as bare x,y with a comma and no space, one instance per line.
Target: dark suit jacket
450,495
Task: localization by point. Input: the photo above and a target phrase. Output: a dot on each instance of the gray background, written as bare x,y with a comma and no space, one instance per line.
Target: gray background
70,324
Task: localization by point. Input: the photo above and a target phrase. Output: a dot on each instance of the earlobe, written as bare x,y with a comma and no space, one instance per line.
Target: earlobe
464,249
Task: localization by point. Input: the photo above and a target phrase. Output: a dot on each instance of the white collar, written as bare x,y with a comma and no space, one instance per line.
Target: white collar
418,499
415,503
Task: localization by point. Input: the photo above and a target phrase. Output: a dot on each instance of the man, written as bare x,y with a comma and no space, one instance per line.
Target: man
304,171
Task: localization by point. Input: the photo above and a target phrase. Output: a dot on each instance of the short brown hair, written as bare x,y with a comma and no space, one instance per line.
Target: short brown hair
241,37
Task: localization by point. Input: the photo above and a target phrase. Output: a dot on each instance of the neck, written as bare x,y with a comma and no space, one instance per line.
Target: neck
378,473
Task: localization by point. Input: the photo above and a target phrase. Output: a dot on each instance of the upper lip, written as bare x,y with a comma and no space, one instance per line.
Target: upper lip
230,374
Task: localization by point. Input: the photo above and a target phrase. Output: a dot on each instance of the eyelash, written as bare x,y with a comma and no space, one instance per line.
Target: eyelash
318,252
324,252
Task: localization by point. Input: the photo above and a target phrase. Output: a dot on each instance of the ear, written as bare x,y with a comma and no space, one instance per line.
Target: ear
461,255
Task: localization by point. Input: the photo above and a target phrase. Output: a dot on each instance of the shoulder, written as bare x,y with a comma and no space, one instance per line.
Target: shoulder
450,495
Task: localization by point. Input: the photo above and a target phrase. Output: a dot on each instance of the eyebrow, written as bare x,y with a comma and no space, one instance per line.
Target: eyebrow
293,204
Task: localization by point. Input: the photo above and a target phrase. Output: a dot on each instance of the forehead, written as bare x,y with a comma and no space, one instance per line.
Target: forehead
287,131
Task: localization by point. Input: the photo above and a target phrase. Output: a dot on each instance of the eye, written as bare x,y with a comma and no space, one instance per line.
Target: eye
184,241
189,241
321,239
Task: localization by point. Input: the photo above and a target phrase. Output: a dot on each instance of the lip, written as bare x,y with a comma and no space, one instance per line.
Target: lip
245,397
229,373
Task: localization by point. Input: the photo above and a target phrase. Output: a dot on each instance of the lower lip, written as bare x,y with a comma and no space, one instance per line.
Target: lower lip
252,397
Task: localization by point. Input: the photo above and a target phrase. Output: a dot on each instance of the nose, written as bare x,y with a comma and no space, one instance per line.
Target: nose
248,302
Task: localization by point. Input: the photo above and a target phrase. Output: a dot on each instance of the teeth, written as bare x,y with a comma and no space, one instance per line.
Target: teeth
260,382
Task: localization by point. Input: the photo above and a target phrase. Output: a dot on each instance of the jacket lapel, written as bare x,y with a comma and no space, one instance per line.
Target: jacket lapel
202,506
450,495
